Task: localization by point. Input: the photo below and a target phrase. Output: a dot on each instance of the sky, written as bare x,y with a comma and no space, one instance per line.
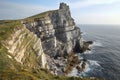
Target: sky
83,11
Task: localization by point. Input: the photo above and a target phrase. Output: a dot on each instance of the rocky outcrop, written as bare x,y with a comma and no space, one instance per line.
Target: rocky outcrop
26,48
58,32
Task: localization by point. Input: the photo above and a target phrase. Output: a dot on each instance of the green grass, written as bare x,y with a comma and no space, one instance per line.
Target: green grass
5,62
16,75
41,75
41,16
7,27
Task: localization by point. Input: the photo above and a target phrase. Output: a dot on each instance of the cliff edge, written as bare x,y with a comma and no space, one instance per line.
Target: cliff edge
57,31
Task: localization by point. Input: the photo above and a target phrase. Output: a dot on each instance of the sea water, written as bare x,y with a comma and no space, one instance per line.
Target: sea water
104,57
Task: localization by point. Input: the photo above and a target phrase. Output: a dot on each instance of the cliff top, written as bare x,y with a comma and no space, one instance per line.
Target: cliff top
62,6
40,15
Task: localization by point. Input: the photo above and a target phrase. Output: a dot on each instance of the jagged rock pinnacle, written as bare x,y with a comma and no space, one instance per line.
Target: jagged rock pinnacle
63,6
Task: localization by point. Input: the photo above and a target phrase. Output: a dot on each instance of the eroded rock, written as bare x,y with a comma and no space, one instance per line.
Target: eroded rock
59,36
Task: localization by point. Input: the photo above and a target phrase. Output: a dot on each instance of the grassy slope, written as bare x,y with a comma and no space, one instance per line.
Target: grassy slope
10,69
41,15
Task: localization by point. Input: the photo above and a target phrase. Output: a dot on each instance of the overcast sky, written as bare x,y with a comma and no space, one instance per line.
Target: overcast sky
83,11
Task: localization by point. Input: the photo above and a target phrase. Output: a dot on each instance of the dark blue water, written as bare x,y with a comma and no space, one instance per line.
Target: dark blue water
104,57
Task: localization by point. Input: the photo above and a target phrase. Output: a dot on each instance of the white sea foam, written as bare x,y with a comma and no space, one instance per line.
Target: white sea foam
96,43
93,63
87,68
80,57
73,72
88,52
90,65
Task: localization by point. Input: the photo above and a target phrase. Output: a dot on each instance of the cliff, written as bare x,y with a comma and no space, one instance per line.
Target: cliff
35,47
57,31
59,35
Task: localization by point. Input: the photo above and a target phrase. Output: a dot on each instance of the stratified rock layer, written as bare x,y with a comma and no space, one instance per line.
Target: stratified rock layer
58,32
59,36
26,48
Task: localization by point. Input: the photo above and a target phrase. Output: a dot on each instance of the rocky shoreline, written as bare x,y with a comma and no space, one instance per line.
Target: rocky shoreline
63,66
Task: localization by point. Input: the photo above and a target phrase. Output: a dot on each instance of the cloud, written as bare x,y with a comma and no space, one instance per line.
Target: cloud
87,3
15,10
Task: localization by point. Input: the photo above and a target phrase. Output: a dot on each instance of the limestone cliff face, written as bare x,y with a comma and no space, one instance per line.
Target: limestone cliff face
26,48
45,40
57,31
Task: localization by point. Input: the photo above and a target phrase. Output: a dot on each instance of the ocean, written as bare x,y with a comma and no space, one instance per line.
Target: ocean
104,57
